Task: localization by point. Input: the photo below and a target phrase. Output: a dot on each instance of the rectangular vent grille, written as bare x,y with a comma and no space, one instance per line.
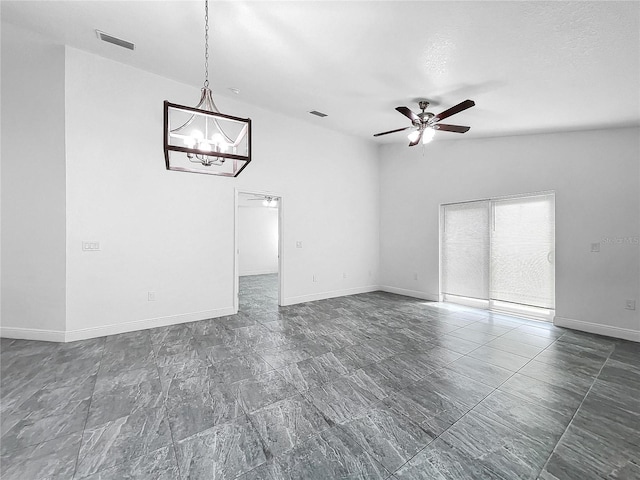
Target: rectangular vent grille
317,114
105,37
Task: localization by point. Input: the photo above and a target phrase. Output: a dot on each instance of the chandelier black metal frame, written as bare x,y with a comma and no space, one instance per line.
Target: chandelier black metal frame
200,139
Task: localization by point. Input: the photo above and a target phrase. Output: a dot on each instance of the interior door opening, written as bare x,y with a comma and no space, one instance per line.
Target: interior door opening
258,251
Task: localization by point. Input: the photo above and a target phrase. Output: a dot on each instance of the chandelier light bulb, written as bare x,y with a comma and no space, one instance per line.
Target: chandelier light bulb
217,139
197,134
204,147
189,142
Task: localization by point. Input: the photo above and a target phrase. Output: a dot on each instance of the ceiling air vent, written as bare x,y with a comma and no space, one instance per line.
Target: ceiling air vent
317,114
105,37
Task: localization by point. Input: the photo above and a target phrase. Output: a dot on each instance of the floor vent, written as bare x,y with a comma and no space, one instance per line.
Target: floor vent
105,37
317,114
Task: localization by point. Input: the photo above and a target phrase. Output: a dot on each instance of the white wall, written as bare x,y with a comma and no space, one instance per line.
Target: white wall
172,232
595,175
33,185
257,240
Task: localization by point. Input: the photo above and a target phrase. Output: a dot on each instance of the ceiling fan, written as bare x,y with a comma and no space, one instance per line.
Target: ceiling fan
425,124
267,200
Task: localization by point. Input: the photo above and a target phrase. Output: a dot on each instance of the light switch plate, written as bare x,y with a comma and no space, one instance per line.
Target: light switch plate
91,246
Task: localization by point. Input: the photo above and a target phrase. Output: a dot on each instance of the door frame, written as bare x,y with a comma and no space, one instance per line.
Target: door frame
236,228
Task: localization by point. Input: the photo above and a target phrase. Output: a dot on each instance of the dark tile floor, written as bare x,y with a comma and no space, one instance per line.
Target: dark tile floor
370,386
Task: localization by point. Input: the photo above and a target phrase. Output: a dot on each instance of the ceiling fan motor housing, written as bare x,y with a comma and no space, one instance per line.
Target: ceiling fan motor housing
425,116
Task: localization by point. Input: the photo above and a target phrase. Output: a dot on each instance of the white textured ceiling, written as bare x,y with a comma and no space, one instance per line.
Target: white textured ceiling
529,66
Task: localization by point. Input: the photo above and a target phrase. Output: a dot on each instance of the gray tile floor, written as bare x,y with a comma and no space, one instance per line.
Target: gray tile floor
370,386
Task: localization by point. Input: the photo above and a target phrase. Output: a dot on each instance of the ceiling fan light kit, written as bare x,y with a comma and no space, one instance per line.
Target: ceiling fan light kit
200,139
425,124
270,202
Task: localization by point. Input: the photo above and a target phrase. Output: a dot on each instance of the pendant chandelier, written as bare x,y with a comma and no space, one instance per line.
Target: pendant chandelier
200,139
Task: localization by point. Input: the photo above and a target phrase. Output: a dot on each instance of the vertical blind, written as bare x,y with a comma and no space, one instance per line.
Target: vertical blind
522,246
465,250
500,250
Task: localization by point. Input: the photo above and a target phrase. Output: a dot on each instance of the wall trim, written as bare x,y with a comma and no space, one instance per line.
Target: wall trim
264,271
330,294
113,329
432,297
598,328
32,334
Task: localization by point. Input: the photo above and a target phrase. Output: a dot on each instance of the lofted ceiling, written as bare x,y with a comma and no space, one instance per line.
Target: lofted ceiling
530,66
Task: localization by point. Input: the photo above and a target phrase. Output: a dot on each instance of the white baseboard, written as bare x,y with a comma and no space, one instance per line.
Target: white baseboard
32,334
598,328
113,329
410,293
330,294
258,272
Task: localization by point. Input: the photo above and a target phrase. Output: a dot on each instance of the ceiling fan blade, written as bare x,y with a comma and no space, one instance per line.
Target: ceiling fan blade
391,131
417,140
451,128
453,110
408,113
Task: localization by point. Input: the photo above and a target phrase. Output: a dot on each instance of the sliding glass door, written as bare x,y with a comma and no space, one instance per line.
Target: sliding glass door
465,250
522,251
500,253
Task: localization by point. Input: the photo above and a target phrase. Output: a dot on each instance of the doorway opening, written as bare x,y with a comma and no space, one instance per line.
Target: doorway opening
499,254
258,251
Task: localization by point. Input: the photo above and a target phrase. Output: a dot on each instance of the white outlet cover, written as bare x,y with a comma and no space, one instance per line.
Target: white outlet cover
298,244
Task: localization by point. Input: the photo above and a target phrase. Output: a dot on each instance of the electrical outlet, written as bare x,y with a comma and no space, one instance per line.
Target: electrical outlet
344,274
595,247
315,278
151,296
298,244
630,304
415,275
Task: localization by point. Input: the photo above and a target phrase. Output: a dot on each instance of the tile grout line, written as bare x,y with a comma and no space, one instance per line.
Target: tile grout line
404,317
165,415
93,390
478,321
164,405
472,408
576,412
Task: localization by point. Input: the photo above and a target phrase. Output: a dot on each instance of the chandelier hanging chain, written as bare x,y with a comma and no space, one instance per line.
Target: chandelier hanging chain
206,43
